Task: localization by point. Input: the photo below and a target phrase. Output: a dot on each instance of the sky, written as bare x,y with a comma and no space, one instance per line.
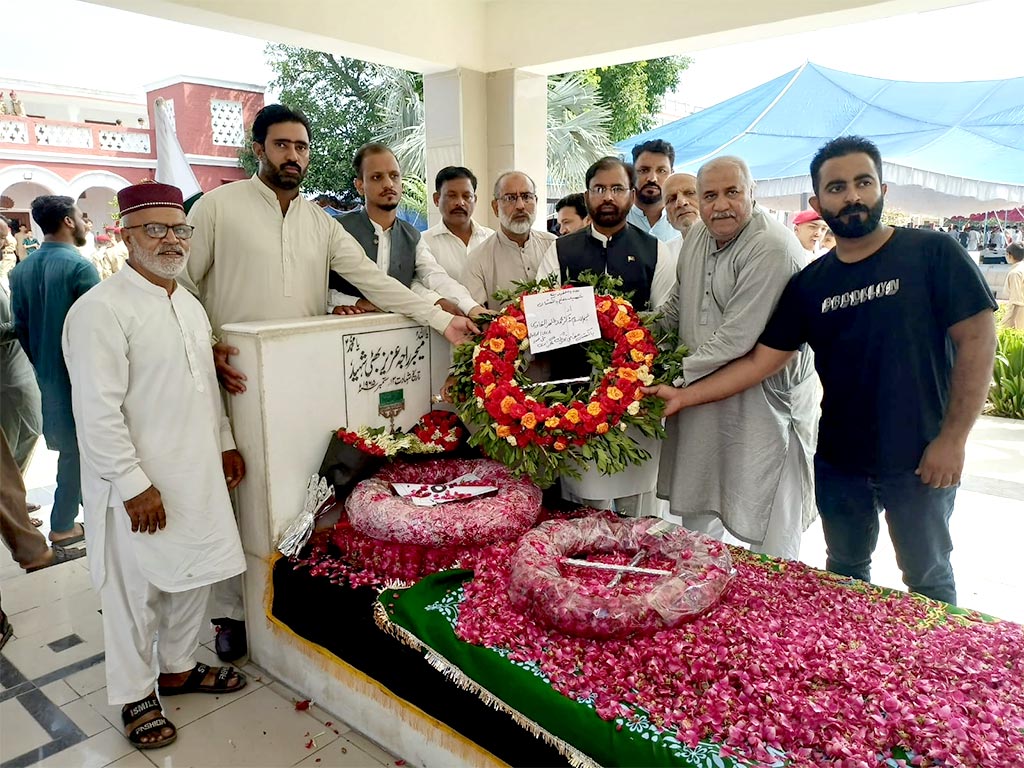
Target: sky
962,43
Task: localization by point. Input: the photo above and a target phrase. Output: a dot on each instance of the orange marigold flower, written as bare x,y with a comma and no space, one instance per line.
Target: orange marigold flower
627,374
486,366
560,444
622,318
506,403
529,420
635,336
519,331
506,322
638,394
572,416
637,355
614,393
594,409
601,428
604,306
619,300
497,345
504,431
488,389
551,422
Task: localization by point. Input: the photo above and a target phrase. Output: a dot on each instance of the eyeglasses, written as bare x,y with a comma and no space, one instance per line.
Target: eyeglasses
526,197
600,190
159,231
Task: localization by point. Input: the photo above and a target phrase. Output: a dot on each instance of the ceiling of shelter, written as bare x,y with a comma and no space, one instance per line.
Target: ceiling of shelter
544,36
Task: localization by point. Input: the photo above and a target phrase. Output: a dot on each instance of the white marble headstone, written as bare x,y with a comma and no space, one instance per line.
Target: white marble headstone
387,373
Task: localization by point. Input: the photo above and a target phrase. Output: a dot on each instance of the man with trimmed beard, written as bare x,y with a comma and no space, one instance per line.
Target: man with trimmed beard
395,246
158,460
681,204
647,270
511,254
742,465
43,288
653,162
901,324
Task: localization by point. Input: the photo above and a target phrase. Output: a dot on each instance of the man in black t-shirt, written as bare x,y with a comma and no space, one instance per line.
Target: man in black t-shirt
901,324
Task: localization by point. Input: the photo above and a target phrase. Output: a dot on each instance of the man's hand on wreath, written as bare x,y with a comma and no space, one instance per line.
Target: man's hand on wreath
481,313
675,399
460,329
450,307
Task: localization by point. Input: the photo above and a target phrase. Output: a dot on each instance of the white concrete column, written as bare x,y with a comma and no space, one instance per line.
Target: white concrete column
489,123
455,117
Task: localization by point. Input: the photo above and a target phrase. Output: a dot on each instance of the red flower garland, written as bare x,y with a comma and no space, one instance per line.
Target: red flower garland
522,419
581,603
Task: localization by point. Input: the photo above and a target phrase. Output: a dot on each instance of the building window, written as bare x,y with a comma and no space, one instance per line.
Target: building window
226,120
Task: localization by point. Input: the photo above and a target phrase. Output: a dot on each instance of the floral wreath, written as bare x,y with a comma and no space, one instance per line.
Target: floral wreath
551,432
699,569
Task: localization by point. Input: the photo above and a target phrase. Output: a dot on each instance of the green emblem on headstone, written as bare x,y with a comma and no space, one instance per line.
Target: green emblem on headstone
390,404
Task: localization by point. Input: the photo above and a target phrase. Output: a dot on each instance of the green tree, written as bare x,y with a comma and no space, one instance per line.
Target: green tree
334,92
634,91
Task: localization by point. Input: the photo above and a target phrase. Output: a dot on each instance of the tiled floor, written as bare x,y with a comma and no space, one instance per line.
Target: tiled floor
53,709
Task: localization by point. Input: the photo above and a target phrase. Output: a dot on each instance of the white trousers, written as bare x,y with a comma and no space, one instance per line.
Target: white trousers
785,524
226,600
135,613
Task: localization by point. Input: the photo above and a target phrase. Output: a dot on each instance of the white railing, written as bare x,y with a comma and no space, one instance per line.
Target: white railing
13,132
122,141
56,135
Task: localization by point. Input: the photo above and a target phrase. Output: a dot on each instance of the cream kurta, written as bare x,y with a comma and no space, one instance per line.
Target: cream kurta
148,412
449,250
499,262
248,262
727,458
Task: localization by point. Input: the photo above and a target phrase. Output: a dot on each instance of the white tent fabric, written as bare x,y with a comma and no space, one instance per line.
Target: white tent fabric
947,148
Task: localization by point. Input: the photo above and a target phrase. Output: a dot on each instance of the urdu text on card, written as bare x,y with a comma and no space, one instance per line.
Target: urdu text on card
562,318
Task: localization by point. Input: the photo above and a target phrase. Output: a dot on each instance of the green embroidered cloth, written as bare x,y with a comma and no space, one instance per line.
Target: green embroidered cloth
424,615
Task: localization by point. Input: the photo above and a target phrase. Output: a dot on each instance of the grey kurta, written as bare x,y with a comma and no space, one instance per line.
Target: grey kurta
726,458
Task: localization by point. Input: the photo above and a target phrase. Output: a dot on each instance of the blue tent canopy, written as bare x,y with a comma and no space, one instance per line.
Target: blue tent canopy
946,147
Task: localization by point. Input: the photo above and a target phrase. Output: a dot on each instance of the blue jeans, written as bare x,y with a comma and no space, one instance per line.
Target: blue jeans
68,496
918,520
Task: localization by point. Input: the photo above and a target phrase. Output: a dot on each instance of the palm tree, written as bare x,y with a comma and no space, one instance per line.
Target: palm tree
577,131
578,125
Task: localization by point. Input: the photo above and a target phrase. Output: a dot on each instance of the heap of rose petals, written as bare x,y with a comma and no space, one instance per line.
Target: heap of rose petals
793,660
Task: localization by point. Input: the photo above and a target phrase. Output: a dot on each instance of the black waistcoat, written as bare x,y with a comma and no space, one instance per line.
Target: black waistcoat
630,254
402,260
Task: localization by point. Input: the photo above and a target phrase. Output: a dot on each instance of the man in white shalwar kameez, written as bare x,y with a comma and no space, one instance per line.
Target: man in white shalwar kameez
743,463
158,460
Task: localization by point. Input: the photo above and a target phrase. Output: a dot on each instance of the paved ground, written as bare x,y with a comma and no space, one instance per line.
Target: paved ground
53,709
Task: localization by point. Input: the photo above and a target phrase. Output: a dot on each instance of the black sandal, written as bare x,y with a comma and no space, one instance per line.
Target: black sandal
130,713
194,682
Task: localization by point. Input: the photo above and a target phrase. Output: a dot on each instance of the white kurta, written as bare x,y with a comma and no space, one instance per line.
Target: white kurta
148,412
636,479
499,262
727,459
431,282
449,250
248,262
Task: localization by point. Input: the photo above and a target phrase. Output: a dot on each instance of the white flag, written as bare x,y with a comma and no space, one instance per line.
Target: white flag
171,165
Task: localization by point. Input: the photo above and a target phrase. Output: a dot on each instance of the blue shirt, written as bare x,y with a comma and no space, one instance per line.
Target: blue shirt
43,288
662,229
